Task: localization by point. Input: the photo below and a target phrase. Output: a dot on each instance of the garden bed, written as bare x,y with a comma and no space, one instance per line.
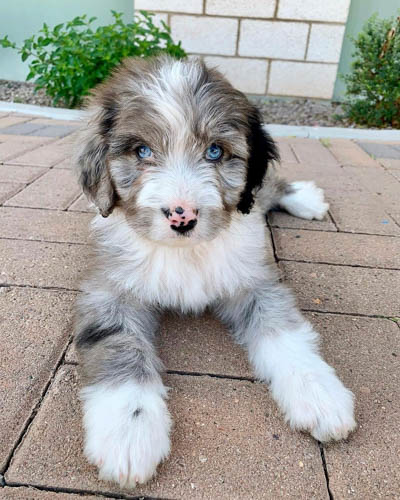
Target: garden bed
285,112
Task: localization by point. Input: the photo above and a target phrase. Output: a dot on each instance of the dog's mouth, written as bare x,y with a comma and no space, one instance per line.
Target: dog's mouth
184,229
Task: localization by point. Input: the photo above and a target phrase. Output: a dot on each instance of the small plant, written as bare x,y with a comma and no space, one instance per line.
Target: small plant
373,86
72,58
325,142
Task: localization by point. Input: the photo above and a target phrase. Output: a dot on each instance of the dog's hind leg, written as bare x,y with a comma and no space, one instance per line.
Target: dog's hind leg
125,416
302,198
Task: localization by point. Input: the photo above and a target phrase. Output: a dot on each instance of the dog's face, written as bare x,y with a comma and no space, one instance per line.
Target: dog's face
175,147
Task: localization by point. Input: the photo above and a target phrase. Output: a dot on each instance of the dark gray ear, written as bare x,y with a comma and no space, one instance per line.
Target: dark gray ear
262,151
94,175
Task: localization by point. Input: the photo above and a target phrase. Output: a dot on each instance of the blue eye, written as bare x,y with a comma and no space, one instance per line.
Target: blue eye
144,151
214,152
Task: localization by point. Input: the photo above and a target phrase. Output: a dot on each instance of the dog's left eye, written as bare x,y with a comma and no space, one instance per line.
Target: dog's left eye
214,152
144,151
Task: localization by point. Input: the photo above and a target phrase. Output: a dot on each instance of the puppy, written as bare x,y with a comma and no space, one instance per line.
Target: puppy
179,167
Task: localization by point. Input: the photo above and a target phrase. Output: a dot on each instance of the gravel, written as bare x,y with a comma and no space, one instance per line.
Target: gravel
302,112
23,92
284,112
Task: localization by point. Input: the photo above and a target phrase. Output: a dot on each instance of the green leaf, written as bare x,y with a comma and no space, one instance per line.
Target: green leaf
72,58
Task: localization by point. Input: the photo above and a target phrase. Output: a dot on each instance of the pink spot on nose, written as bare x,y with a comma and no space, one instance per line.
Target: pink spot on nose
182,216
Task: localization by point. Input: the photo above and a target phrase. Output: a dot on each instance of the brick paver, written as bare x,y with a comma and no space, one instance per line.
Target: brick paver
366,353
9,121
25,175
21,493
12,146
338,248
66,163
25,128
352,290
81,205
286,151
282,219
8,190
205,346
312,151
42,264
381,150
229,440
47,155
354,214
57,189
389,163
34,329
44,225
350,153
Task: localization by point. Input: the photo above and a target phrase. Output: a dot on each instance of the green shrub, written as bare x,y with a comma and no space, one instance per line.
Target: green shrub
72,58
373,86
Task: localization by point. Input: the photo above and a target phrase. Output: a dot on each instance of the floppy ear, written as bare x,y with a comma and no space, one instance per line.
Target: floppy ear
92,163
262,150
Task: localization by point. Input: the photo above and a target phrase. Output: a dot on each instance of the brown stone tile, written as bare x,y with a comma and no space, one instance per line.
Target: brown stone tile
195,344
71,355
42,264
384,188
344,289
44,156
361,200
325,175
51,121
34,330
24,175
285,151
395,214
57,189
9,121
395,174
8,190
338,248
366,354
312,151
202,345
27,139
228,442
66,163
82,205
23,493
350,153
44,225
355,214
16,145
390,163
285,220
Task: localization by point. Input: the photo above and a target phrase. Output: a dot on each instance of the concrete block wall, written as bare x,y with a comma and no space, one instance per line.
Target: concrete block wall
288,48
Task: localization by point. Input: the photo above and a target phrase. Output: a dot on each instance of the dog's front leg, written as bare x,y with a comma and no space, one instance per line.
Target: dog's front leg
125,416
283,351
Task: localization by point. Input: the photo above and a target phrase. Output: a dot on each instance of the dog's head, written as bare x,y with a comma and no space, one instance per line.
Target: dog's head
176,147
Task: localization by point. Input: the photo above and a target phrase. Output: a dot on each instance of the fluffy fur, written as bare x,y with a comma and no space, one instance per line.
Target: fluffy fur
174,112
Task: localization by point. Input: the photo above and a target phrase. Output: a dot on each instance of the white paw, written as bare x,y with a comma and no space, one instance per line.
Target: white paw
319,403
127,430
306,201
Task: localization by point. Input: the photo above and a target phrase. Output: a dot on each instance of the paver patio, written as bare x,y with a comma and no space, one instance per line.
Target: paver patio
229,440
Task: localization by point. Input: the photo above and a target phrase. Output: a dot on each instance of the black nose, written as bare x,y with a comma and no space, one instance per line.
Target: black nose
184,229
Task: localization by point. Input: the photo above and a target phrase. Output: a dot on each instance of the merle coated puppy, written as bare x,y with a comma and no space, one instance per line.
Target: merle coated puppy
179,166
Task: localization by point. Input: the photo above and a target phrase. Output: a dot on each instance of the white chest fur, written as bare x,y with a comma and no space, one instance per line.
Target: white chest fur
187,278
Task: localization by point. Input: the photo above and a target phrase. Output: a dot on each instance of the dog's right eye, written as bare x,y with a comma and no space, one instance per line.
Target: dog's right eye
144,151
